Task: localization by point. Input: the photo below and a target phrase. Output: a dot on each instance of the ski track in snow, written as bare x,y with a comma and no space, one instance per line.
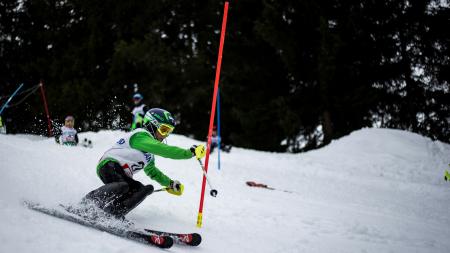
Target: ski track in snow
376,190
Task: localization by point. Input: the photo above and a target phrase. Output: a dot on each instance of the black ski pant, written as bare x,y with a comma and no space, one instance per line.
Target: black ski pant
120,194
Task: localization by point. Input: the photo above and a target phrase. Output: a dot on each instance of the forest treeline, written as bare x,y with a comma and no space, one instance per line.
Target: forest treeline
296,74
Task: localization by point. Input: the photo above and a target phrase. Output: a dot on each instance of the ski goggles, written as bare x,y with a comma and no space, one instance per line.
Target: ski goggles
165,129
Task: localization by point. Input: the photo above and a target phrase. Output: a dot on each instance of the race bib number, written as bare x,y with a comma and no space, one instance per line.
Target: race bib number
137,166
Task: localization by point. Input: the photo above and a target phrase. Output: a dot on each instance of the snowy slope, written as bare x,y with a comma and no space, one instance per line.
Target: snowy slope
376,190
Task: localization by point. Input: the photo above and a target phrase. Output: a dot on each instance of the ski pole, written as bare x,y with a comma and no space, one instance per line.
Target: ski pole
162,189
213,191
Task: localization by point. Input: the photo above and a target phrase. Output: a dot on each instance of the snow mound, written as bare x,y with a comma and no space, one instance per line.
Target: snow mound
375,190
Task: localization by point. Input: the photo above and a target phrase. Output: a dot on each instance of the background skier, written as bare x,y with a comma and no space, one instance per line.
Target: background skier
138,111
2,127
68,135
135,152
215,140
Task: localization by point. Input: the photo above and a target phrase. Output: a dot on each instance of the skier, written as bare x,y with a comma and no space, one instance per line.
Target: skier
68,135
138,112
135,152
2,127
215,139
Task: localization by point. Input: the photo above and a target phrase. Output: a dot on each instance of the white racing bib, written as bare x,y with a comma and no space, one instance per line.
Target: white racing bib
68,136
131,160
138,109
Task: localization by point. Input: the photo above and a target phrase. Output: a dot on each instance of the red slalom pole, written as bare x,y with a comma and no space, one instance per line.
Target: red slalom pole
49,121
213,112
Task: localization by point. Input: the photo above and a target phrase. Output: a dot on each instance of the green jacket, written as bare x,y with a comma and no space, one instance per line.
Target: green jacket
147,143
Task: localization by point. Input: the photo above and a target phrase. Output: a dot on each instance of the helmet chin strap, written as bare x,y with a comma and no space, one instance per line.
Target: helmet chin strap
152,132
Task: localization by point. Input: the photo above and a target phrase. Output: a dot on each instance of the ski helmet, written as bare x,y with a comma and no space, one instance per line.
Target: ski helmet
138,96
69,118
157,119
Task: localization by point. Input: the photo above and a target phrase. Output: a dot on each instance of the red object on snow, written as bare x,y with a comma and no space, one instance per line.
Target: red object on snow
254,184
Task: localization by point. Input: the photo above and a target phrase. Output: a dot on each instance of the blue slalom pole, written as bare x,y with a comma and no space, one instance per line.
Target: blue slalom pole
218,128
10,98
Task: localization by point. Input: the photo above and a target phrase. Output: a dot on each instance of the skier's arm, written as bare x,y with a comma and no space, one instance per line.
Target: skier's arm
144,142
155,174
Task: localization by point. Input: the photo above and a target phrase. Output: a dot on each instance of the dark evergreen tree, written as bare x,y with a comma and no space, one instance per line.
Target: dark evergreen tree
295,74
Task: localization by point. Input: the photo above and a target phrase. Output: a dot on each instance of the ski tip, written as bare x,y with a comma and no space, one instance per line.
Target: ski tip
31,205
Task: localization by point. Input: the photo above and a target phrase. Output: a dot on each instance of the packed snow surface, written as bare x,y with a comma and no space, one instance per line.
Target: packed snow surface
376,190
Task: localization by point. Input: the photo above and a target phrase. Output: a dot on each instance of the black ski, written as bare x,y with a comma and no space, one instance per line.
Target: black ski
161,241
191,239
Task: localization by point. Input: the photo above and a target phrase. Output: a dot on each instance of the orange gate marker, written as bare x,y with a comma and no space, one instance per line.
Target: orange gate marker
213,112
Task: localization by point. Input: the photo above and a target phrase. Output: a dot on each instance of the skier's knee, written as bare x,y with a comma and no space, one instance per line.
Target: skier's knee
135,198
149,189
116,188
